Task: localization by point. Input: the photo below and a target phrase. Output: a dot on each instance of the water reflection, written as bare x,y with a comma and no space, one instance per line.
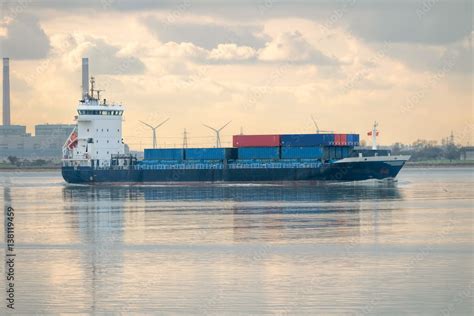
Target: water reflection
256,249
291,192
110,215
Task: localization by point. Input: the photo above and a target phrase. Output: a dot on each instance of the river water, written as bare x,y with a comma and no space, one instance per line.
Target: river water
314,248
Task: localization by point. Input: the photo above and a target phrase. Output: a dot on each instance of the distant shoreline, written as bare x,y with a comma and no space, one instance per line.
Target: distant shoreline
438,164
26,169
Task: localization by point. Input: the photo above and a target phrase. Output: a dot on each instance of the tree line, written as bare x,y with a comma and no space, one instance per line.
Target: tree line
422,150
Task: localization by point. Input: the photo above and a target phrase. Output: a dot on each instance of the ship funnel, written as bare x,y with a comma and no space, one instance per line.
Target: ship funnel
6,91
85,77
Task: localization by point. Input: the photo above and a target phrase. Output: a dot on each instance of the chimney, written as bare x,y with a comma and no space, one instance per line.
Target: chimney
6,91
85,77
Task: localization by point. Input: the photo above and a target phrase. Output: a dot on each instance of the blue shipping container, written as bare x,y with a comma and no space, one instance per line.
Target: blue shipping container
328,139
259,153
209,153
164,154
301,152
306,140
350,139
345,152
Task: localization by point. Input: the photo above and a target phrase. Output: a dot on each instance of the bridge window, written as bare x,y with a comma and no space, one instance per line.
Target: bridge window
99,112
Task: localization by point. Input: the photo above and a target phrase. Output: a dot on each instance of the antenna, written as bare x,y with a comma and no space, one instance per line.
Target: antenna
98,94
92,86
185,139
218,136
154,130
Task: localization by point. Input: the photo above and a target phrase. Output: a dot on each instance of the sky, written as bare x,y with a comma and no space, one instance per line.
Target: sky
265,65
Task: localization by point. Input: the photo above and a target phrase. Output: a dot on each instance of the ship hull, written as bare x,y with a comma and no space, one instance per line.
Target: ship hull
340,171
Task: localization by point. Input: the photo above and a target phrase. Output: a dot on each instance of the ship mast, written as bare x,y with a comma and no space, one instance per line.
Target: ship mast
92,87
374,136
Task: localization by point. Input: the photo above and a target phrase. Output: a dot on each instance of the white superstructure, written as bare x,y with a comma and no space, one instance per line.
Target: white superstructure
98,134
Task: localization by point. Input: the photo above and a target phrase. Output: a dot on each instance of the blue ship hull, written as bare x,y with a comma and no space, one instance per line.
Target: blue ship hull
350,171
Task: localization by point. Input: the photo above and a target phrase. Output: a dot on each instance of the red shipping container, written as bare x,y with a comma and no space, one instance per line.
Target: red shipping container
344,139
256,140
337,139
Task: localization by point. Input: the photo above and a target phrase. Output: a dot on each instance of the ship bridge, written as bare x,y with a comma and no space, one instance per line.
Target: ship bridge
98,135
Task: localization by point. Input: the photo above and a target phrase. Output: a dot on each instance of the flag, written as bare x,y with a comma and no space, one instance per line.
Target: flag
370,133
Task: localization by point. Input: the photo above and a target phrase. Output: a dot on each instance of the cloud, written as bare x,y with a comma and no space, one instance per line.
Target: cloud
232,52
291,46
104,58
25,39
181,50
206,35
429,22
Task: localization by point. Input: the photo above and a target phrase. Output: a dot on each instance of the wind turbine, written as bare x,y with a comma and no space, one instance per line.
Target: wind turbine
317,127
218,136
154,130
315,124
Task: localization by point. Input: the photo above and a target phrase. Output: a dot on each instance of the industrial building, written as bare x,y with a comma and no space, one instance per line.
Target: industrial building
47,142
467,153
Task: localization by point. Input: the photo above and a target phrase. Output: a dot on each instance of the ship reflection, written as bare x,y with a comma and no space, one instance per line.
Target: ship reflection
248,212
239,193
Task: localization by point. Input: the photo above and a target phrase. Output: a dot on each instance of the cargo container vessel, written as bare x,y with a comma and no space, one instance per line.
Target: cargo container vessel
95,152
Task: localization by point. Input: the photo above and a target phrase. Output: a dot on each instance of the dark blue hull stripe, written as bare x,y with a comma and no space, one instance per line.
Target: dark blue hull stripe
353,171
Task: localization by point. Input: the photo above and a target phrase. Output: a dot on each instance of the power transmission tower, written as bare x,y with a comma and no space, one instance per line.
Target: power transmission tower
185,139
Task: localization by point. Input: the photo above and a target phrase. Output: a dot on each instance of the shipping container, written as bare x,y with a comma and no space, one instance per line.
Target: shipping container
210,153
350,139
332,152
353,139
343,139
164,154
259,153
328,139
256,140
301,152
303,140
346,152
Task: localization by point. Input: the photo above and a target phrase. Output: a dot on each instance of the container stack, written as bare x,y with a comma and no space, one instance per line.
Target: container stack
164,154
256,141
295,146
210,153
266,147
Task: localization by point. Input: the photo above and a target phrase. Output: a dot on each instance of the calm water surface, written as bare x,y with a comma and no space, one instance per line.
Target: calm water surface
367,248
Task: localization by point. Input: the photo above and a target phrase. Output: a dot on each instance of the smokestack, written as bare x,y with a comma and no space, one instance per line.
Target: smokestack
6,91
85,77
